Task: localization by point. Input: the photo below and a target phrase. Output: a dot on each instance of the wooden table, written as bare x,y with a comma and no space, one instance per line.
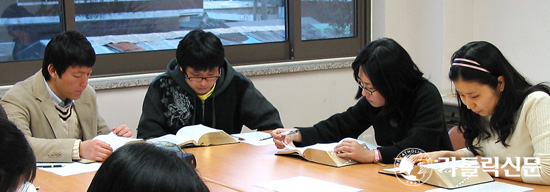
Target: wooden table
238,167
49,182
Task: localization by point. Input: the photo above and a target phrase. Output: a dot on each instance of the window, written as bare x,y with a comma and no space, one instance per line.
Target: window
129,26
327,19
139,36
26,27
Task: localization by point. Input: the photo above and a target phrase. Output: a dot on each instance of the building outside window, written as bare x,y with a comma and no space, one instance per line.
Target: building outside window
251,30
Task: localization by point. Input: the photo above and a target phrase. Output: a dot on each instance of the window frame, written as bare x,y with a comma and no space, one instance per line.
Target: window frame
293,49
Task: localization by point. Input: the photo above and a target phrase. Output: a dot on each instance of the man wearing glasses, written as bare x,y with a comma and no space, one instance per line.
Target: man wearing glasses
201,87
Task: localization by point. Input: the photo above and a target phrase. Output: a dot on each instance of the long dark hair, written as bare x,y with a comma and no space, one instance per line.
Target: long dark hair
143,167
18,163
516,89
391,71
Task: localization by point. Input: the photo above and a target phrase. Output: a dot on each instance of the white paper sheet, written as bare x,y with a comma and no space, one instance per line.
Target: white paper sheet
253,138
70,168
302,183
115,141
495,186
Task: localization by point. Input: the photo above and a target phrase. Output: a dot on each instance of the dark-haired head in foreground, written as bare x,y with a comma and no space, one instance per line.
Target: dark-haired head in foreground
143,167
17,164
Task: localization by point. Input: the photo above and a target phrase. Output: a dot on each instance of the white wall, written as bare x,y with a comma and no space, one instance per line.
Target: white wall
520,29
431,30
302,98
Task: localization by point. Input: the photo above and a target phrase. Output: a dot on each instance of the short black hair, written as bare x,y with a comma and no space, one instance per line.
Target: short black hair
69,48
143,167
200,50
18,163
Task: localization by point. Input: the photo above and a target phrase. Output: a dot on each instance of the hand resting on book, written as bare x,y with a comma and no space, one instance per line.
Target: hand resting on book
328,153
351,149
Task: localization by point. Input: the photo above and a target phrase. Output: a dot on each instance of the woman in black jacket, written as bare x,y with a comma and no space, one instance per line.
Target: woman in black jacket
404,108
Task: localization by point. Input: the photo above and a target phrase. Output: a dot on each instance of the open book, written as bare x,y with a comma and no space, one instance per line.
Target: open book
452,174
449,174
197,135
116,141
322,153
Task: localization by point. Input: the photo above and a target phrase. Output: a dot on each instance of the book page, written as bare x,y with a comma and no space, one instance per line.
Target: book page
327,146
195,131
115,141
322,153
323,146
178,140
319,146
393,170
451,164
291,149
406,167
451,174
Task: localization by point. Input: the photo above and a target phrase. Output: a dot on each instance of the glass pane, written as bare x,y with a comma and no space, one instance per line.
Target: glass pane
115,26
26,27
327,19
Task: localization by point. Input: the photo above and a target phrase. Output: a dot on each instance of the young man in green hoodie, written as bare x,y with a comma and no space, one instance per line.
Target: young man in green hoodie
201,87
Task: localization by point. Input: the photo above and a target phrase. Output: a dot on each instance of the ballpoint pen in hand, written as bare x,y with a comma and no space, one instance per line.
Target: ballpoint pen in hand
282,134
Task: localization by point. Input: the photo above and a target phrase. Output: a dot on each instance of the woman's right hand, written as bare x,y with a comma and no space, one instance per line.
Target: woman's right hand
282,140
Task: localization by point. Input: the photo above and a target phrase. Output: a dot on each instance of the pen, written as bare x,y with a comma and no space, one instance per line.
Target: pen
49,166
282,134
422,160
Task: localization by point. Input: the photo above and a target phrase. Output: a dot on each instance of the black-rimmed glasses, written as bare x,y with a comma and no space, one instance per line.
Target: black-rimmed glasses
199,79
364,88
